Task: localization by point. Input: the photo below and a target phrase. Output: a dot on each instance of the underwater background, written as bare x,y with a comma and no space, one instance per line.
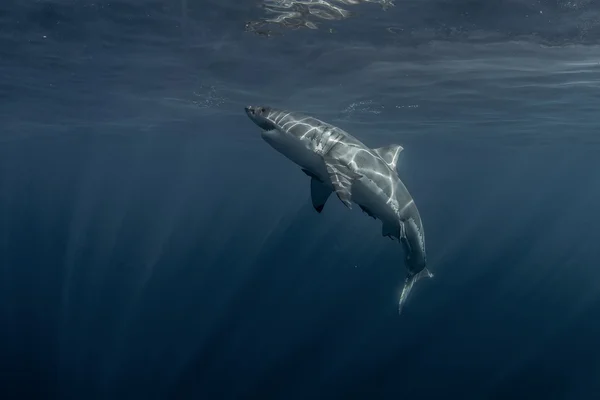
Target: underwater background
153,246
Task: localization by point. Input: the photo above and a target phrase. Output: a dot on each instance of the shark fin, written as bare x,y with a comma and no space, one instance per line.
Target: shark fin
367,211
307,172
389,154
341,177
391,230
408,285
319,193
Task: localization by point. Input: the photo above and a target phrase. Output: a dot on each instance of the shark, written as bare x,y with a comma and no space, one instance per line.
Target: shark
339,163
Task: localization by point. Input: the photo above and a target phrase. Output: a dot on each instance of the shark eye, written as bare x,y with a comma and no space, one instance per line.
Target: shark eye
262,110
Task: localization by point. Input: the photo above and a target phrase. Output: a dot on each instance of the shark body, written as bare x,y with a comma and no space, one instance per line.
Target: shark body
338,162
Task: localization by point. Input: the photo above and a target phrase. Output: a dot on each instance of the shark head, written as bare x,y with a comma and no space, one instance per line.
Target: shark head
260,116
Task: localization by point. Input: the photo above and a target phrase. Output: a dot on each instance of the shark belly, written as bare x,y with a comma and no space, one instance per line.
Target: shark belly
297,151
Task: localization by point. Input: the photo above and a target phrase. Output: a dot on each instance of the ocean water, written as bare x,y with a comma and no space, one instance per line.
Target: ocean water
153,246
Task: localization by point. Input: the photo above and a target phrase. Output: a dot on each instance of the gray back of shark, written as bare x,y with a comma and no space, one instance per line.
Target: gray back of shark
337,161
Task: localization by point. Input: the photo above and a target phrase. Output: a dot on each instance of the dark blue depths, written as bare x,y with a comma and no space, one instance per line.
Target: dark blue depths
129,268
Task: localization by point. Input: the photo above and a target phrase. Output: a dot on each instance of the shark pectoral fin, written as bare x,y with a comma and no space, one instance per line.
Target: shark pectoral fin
390,229
409,282
307,172
341,177
367,211
389,154
319,193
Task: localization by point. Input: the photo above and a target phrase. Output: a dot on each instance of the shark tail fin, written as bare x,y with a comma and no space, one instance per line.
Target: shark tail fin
408,285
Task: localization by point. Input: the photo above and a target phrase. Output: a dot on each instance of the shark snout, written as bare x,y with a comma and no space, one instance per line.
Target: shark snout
252,113
259,115
253,110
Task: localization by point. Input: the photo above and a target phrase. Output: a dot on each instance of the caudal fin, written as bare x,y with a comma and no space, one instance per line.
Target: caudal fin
408,285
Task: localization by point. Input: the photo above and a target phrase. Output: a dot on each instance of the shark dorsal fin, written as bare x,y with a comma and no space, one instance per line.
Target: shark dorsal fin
389,154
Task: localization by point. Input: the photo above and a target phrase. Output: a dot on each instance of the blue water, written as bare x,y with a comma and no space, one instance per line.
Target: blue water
152,245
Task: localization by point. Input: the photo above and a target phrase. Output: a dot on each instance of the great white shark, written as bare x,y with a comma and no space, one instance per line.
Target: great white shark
338,162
